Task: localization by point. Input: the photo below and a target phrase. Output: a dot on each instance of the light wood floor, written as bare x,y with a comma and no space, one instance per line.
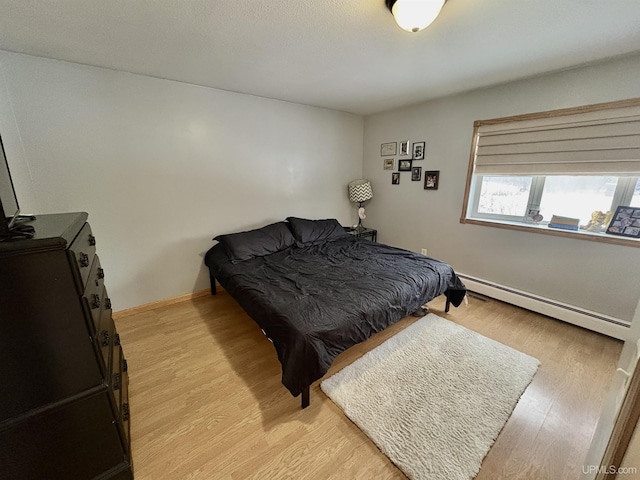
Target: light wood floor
207,402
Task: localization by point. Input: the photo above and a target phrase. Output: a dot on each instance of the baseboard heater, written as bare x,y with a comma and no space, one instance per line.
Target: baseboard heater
597,322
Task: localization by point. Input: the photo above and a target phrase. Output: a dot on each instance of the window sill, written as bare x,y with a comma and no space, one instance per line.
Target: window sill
543,229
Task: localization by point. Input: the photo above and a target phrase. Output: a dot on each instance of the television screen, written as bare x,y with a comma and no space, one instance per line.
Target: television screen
8,201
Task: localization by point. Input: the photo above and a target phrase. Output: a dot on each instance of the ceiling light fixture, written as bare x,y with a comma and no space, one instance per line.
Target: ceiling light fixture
415,15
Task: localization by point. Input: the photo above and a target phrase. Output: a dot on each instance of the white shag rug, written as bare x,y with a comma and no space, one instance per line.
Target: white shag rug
434,397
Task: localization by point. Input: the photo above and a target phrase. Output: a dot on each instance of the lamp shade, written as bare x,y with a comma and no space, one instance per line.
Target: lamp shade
415,15
360,190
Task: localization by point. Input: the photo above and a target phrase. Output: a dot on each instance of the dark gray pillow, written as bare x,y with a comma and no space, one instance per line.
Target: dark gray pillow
256,243
311,231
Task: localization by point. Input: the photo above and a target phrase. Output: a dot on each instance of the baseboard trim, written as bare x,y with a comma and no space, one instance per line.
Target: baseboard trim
161,303
597,322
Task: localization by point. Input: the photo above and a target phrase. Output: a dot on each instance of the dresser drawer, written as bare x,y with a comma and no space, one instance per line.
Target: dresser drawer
92,302
95,280
119,377
126,427
115,381
81,252
95,298
124,410
104,339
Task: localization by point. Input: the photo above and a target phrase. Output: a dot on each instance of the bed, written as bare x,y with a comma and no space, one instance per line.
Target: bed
315,290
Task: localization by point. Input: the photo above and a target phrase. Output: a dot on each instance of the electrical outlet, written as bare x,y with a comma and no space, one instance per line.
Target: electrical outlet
423,251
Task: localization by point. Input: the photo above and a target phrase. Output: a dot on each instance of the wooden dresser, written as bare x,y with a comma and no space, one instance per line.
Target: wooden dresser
64,407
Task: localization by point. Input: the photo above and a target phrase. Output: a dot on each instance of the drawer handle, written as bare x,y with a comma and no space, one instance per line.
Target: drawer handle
105,338
116,341
83,260
100,273
116,381
125,412
95,301
92,240
125,365
107,303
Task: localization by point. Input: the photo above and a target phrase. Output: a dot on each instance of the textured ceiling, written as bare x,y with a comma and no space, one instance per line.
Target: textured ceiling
341,54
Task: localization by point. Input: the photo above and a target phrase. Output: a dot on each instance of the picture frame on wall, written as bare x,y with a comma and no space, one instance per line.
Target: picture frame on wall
431,179
404,147
416,174
395,178
625,222
404,165
418,150
389,163
387,149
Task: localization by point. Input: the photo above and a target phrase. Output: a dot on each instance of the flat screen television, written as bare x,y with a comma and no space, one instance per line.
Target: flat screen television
9,208
10,228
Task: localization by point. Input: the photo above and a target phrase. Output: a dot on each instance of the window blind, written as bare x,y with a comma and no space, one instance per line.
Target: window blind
601,141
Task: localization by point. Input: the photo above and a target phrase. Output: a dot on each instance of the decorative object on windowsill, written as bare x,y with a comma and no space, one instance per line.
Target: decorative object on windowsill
625,222
564,223
404,165
598,223
533,216
360,191
395,178
389,163
418,150
404,147
416,174
415,15
431,179
388,149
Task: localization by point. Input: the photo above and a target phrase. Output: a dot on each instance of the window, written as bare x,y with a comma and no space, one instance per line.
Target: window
504,195
577,196
509,198
635,199
569,163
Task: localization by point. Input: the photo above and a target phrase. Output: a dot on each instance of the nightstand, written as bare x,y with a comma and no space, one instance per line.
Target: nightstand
363,232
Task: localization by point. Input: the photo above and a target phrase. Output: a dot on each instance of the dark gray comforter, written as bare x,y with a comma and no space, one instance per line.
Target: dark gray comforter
316,301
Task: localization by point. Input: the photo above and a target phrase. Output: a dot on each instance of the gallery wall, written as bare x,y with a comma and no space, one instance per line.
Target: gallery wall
162,167
599,277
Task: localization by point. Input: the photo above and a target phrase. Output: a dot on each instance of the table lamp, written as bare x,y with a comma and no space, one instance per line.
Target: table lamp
359,192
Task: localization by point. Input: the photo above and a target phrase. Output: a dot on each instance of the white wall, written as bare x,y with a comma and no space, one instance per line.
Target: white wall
599,277
162,166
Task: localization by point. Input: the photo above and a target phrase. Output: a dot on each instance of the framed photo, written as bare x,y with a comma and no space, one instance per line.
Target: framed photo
404,165
418,150
431,179
395,178
416,174
389,163
625,222
404,147
387,149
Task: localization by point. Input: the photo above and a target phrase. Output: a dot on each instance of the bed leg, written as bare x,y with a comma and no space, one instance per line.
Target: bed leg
212,279
305,397
447,306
